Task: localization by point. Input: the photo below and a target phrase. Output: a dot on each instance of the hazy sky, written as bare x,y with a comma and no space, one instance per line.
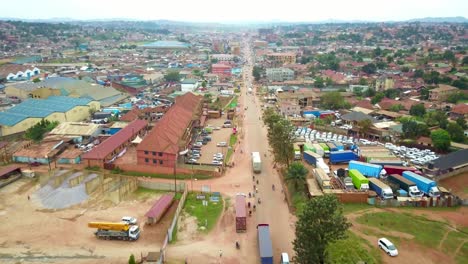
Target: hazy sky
235,10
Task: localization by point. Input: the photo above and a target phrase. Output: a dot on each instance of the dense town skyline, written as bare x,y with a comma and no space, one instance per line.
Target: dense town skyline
242,11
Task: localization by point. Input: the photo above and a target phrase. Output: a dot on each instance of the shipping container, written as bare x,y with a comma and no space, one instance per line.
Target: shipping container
322,178
405,184
383,190
309,147
359,181
332,146
311,157
265,247
241,214
367,169
342,156
427,186
318,149
326,149
399,169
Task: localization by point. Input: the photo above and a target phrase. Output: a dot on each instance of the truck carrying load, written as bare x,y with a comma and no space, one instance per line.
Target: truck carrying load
318,149
321,164
406,185
342,156
326,149
390,169
322,178
332,146
241,214
359,181
265,246
256,162
383,190
119,231
309,147
311,157
427,186
367,169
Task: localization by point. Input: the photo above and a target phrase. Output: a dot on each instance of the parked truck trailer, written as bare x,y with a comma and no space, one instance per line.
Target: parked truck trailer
427,186
390,169
241,214
367,169
318,149
383,190
342,156
359,181
265,246
322,178
311,157
406,185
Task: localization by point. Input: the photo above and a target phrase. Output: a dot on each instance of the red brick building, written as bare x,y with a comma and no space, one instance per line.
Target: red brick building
111,147
221,69
172,133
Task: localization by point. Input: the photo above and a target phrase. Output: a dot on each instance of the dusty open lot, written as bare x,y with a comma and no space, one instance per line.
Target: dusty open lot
32,234
457,184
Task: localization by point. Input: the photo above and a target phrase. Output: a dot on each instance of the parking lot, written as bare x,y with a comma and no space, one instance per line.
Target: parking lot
217,135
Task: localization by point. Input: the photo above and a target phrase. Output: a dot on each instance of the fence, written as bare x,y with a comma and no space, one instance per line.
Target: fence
445,201
167,187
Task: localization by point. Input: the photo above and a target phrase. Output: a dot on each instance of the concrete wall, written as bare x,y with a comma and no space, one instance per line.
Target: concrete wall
352,197
164,186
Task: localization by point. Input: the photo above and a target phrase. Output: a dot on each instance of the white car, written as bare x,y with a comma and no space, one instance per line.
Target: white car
388,247
129,220
221,144
215,162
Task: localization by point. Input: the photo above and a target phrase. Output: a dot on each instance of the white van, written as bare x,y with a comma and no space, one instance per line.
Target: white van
284,258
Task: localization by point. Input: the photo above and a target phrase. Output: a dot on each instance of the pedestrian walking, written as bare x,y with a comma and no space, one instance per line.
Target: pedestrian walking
220,253
29,198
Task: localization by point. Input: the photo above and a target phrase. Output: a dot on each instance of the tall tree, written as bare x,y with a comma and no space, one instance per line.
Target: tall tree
461,122
456,132
282,139
417,110
296,174
131,260
172,76
333,100
441,139
320,223
364,126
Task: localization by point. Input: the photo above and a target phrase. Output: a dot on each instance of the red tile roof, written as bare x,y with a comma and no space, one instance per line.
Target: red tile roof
365,104
160,206
8,169
130,115
461,109
167,132
102,150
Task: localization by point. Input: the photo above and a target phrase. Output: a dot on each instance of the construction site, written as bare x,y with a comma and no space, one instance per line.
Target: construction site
50,216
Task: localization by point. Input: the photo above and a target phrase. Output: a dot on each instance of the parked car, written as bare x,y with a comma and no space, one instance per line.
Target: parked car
221,144
129,220
388,247
215,162
192,161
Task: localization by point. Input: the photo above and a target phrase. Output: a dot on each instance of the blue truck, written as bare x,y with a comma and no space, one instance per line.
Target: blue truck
339,146
265,247
427,186
311,157
383,190
342,156
367,169
332,146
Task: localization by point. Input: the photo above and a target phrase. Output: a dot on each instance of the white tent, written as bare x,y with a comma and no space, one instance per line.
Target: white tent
137,140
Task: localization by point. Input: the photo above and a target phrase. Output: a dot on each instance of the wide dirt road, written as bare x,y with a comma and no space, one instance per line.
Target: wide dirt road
272,210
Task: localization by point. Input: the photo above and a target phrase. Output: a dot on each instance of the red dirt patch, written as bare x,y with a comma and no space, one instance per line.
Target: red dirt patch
457,184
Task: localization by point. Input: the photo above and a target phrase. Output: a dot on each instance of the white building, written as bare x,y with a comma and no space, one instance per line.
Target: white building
279,74
14,72
189,85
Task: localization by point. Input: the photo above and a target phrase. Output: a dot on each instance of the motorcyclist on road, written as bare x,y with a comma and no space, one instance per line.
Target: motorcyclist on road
273,187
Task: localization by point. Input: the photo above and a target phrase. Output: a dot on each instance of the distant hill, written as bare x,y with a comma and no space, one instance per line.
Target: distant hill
458,19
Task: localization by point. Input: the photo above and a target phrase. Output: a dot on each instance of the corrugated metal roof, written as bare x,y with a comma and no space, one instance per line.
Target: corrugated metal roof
102,150
264,241
8,169
40,108
160,206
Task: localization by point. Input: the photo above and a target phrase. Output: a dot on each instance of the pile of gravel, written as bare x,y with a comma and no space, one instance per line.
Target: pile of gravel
64,196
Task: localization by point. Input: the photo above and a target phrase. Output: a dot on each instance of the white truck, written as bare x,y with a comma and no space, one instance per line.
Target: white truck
256,162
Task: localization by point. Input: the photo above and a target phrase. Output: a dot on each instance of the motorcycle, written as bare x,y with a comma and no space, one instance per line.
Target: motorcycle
237,245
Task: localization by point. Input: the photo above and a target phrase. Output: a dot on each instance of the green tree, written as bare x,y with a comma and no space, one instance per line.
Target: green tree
257,73
131,260
334,100
296,175
425,93
369,92
436,118
319,82
172,76
364,126
363,81
370,68
432,77
377,98
414,129
36,80
418,73
392,93
456,132
465,61
321,222
280,136
396,108
417,110
203,84
36,132
441,139
461,122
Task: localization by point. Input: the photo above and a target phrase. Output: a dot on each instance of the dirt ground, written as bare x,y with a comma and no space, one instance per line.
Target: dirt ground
32,234
458,184
410,252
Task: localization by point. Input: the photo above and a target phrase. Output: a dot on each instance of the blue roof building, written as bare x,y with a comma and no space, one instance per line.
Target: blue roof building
166,44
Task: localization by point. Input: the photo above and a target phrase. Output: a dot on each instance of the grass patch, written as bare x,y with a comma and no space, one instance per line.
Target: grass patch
426,232
166,176
207,216
232,140
174,235
353,207
352,250
462,256
452,242
299,201
142,192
